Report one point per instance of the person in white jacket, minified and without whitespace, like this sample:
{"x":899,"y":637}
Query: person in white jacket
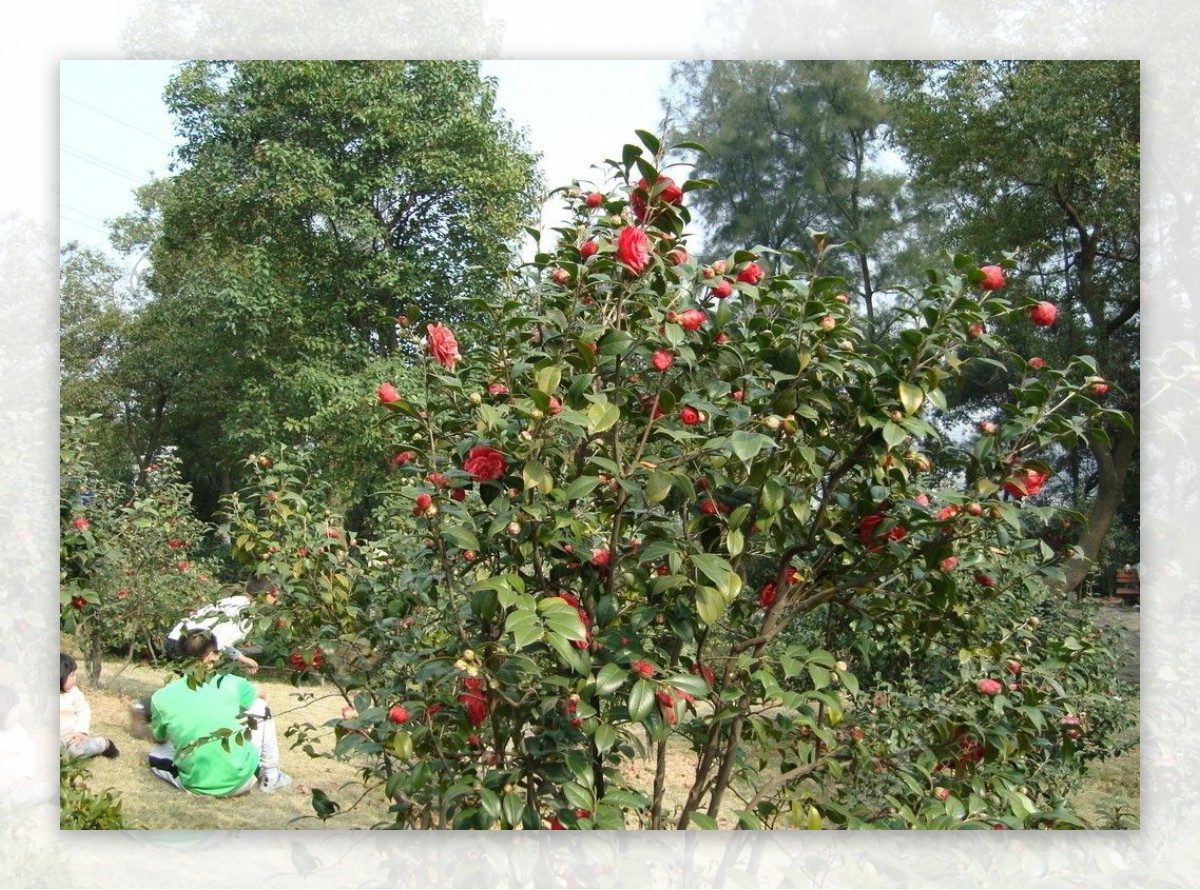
{"x":75,"y":716}
{"x":228,"y":620}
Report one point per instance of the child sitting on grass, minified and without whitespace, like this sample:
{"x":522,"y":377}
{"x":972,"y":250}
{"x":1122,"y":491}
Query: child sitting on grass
{"x":75,"y":716}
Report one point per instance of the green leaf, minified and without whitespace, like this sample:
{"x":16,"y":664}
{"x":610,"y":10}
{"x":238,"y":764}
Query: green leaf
{"x":581,"y":487}
{"x":578,"y":796}
{"x":649,"y":140}
{"x":460,"y":536}
{"x":602,"y":416}
{"x":641,"y":700}
{"x":718,"y":570}
{"x":610,"y":679}
{"x":524,"y":627}
{"x":548,"y":378}
{"x":490,"y":802}
{"x":703,"y":820}
{"x":658,"y":486}
{"x":513,"y":807}
{"x":911,"y":397}
{"x":605,"y":737}
{"x":537,"y":476}
{"x":893,"y":434}
{"x":709,"y":604}
{"x":747,"y":445}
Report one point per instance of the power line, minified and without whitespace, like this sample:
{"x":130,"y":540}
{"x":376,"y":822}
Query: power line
{"x":117,"y":119}
{"x":77,"y":222}
{"x":98,"y":219}
{"x":102,"y":164}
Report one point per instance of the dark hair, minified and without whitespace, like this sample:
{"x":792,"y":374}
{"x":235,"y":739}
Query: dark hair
{"x":66,"y":667}
{"x":198,"y":644}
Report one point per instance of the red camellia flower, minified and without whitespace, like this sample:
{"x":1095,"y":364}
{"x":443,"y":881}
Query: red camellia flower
{"x":423,"y":501}
{"x":722,"y":289}
{"x":497,"y":389}
{"x":441,"y":480}
{"x":750,"y":274}
{"x":993,"y":277}
{"x":642,"y":668}
{"x":766,"y":596}
{"x":588,"y":249}
{"x":594,"y":199}
{"x":866,"y":532}
{"x":555,"y":406}
{"x":666,"y":703}
{"x":398,"y":714}
{"x":678,"y":256}
{"x":122,"y":594}
{"x":985,"y":580}
{"x":484,"y":462}
{"x":80,"y":522}
{"x":474,"y":700}
{"x":949,"y":563}
{"x":560,"y":276}
{"x":1025,"y":482}
{"x":1043,"y":314}
{"x":689,"y":415}
{"x":600,"y":556}
{"x":712,"y":507}
{"x":976,"y":330}
{"x":662,"y":360}
{"x":387,"y":394}
{"x":1037,"y":363}
{"x":1013,"y":666}
{"x":442,"y":345}
{"x":988,"y":686}
{"x":669,"y":194}
{"x":1098,"y":386}
{"x":183,"y":566}
{"x":78,"y":602}
{"x":633,"y":249}
{"x":402,"y":458}
{"x":692,"y":319}
{"x":704,"y":672}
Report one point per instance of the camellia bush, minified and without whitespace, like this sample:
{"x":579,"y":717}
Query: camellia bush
{"x":131,"y":562}
{"x":658,"y":509}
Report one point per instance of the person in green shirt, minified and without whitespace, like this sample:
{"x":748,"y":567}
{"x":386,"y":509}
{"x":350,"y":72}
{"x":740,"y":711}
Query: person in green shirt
{"x":180,"y":715}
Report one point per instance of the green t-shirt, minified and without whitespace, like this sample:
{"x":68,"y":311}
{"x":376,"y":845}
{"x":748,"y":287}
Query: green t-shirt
{"x":182,"y":715}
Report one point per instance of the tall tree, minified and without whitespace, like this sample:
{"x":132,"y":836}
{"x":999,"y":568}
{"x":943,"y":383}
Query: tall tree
{"x":1044,"y":156}
{"x":314,"y":203}
{"x":795,"y":146}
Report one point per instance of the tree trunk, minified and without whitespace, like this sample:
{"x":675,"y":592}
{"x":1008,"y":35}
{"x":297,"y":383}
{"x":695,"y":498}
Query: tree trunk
{"x":1113,"y":463}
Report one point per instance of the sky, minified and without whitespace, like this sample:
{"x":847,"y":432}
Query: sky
{"x":115,"y":132}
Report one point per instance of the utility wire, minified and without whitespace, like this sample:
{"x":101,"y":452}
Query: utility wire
{"x":102,"y":164}
{"x":117,"y":119}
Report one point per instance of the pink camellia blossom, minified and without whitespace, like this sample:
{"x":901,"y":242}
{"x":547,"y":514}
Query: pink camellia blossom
{"x":692,"y":319}
{"x":722,"y":289}
{"x":561,"y":276}
{"x":80,"y":522}
{"x":993,"y":277}
{"x":484,"y":462}
{"x":633,"y":249}
{"x":402,"y":458}
{"x":588,"y":249}
{"x":988,"y":686}
{"x":922,"y":499}
{"x":442,"y":345}
{"x":387,"y":394}
{"x":662,"y":360}
{"x":976,"y":330}
{"x":828,"y":323}
{"x":670,"y":193}
{"x":689,"y":415}
{"x":738,"y":395}
{"x":1098,"y":386}
{"x":441,"y":480}
{"x":642,"y":668}
{"x":555,"y":405}
{"x":1026,"y":482}
{"x":678,"y":256}
{"x":594,"y":200}
{"x":1043,"y":314}
{"x":497,"y":389}
{"x":949,"y":563}
{"x":986,"y":427}
{"x":1037,"y":363}
{"x":601,"y":556}
{"x":750,"y":274}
